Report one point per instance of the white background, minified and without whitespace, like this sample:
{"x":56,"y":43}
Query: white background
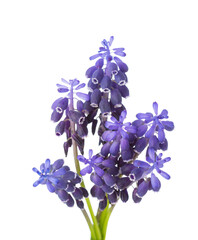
{"x":42,"y":41}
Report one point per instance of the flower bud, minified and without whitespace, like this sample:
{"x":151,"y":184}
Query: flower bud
{"x":141,"y":130}
{"x":99,"y":63}
{"x":136,"y":174}
{"x":62,"y":105}
{"x":127,"y":155}
{"x":123,"y":183}
{"x":80,"y":204}
{"x":87,"y":108}
{"x":97,"y":76}
{"x":107,"y":189}
{"x":121,"y":78}
{"x":155,"y":183}
{"x":67,"y":145}
{"x":80,"y":142}
{"x":94,"y":125}
{"x":124,"y":195}
{"x":82,"y":130}
{"x":164,"y":145}
{"x":103,"y":204}
{"x":115,"y":147}
{"x":109,"y":180}
{"x":85,"y":192}
{"x":143,"y":188}
{"x":70,"y":201}
{"x":80,"y":105}
{"x":77,"y":194}
{"x":124,"y":143}
{"x":112,"y":69}
{"x":116,"y":98}
{"x":140,"y":144}
{"x":96,"y":179}
{"x":56,"y":116}
{"x":104,"y":107}
{"x":91,"y":86}
{"x":154,"y":143}
{"x":95,"y":98}
{"x":106,"y":84}
{"x":70,"y":187}
{"x":122,"y":66}
{"x":105,"y":149}
{"x":136,"y":199}
{"x":127,"y":168}
{"x":63,"y":195}
{"x":90,"y":71}
{"x":113,"y":197}
{"x":77,"y":117}
{"x":97,"y":192}
{"x":60,"y":128}
{"x":57,"y":164}
{"x":124,"y":91}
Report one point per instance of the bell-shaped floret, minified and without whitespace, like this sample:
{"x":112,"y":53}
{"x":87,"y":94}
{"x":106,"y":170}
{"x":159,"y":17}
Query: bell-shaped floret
{"x":95,"y":98}
{"x":97,"y":76}
{"x":121,"y":78}
{"x":106,"y":84}
{"x":60,"y":128}
{"x":105,"y":107}
{"x":116,"y":98}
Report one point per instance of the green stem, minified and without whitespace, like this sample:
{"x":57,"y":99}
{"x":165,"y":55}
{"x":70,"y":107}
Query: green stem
{"x":93,"y":235}
{"x":77,"y":165}
{"x":104,"y":227}
{"x":95,"y":223}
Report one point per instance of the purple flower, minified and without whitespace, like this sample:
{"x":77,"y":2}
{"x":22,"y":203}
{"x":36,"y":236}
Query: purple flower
{"x":58,"y":107}
{"x":106,"y":52}
{"x":92,"y":162}
{"x":62,"y":181}
{"x":46,"y":175}
{"x":71,"y":87}
{"x":156,"y":123}
{"x":120,"y":127}
{"x":155,"y":163}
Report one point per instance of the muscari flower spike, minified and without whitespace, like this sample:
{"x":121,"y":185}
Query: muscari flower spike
{"x":61,"y":180}
{"x":71,"y":88}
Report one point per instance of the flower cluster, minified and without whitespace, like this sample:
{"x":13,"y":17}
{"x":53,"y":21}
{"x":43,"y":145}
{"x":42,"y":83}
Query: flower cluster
{"x":64,"y":113}
{"x":62,"y":181}
{"x":116,"y":168}
{"x":130,"y":156}
{"x":107,"y":81}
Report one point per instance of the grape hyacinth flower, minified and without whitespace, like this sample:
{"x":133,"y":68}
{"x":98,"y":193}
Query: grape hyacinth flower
{"x":157,"y":163}
{"x":129,"y":162}
{"x":60,"y":180}
{"x":66,"y":105}
{"x":107,"y":81}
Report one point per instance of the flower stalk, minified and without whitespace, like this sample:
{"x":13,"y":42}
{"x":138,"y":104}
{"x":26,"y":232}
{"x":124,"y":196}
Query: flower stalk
{"x":95,"y":231}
